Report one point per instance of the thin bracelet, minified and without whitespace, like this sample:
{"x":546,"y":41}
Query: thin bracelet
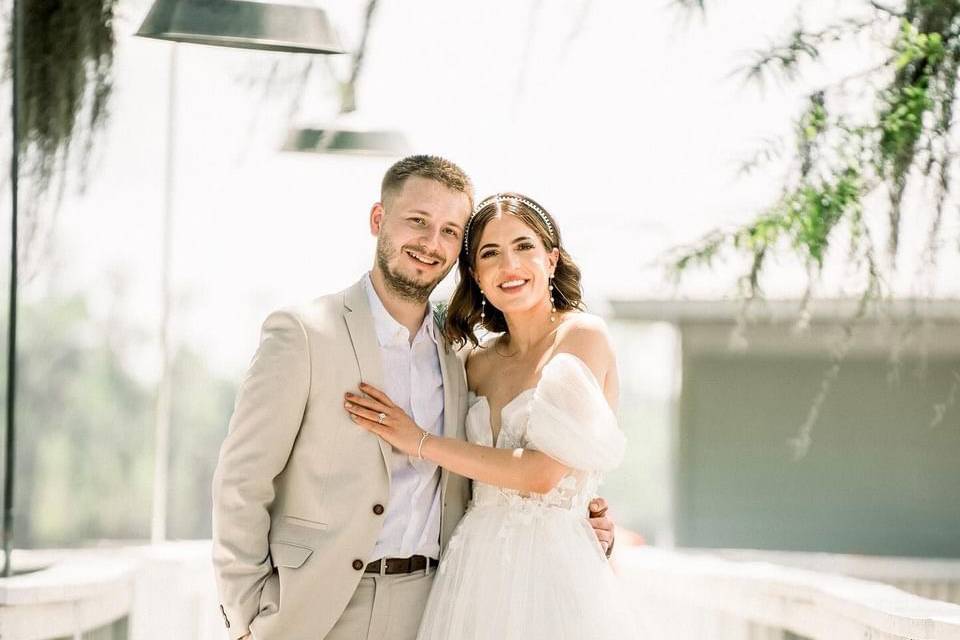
{"x":423,"y":438}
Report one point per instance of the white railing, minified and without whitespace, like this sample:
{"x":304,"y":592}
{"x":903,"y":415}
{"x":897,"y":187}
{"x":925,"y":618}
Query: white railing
{"x":143,"y":593}
{"x":175,"y":595}
{"x":73,"y":593}
{"x":934,"y":578}
{"x":167,"y":591}
{"x":696,"y":596}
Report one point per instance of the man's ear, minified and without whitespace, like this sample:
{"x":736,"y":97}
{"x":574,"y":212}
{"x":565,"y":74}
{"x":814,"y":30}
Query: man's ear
{"x":377,"y":213}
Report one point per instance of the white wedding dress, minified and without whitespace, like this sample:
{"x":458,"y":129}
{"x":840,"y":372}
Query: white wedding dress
{"x":528,"y":567}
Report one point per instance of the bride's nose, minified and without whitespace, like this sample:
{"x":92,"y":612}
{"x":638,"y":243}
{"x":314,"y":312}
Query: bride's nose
{"x":510,"y":259}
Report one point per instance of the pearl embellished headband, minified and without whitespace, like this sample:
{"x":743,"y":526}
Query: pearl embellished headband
{"x":505,"y":198}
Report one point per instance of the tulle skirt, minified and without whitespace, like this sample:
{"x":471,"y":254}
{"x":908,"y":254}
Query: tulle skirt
{"x":525,"y":571}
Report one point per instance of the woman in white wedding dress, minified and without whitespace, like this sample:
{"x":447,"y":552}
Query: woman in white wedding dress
{"x":524,"y":562}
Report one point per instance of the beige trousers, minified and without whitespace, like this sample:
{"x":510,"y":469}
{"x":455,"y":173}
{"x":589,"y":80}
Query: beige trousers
{"x":385,"y":608}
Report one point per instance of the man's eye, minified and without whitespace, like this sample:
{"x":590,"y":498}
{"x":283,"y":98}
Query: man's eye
{"x":453,"y":232}
{"x":416,"y":220}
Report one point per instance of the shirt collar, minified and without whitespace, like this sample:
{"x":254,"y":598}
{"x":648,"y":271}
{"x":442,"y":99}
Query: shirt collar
{"x":389,"y":331}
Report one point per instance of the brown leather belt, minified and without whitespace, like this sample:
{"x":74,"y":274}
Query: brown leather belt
{"x":400,"y":565}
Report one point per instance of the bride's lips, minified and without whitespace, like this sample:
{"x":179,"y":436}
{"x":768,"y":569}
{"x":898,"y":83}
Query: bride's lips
{"x":513,"y":286}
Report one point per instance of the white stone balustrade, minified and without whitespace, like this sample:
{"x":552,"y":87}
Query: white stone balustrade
{"x":692,"y":595}
{"x":167,"y":591}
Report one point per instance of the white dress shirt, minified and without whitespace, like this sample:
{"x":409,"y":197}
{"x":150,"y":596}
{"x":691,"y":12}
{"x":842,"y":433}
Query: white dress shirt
{"x":413,"y":381}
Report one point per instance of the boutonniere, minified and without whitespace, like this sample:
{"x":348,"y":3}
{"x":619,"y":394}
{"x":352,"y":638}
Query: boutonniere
{"x":440,"y":313}
{"x":440,"y":318}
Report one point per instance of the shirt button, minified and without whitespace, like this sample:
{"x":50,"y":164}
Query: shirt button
{"x":378,"y":509}
{"x":358,"y":564}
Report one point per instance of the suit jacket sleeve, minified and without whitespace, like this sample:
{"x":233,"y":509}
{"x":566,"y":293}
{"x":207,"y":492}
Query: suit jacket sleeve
{"x":266,"y":419}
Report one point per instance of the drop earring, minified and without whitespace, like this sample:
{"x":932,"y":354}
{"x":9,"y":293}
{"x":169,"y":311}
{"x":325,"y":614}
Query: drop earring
{"x":483,"y":306}
{"x":553,"y":305}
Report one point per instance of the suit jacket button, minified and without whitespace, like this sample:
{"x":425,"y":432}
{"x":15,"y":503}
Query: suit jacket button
{"x":378,"y":509}
{"x":358,"y":564}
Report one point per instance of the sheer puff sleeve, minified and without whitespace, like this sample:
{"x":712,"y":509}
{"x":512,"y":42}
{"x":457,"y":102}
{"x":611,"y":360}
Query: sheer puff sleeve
{"x":570,"y":419}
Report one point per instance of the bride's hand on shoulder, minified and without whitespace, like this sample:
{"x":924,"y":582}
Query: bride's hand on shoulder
{"x":376,"y":412}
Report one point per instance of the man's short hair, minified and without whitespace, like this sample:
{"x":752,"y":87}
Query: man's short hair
{"x":431,"y":167}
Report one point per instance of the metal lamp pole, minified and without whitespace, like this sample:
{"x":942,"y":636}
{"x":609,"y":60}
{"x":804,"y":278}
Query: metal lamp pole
{"x":229,"y":23}
{"x":158,"y":517}
{"x":8,"y":487}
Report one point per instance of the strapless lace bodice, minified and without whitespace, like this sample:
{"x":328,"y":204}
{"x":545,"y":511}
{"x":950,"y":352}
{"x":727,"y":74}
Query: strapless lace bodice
{"x":565,"y":416}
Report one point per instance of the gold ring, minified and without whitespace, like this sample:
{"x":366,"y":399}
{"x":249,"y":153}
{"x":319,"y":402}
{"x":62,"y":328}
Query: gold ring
{"x":380,"y":418}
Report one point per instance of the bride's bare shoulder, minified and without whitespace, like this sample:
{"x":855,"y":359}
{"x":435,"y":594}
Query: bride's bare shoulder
{"x":586,"y":336}
{"x":583,"y":331}
{"x":479,"y":362}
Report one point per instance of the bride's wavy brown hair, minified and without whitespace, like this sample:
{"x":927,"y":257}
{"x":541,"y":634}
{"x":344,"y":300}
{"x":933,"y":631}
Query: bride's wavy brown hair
{"x":463,"y":314}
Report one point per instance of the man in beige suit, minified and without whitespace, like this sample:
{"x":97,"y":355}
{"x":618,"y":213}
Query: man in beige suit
{"x":321,"y":529}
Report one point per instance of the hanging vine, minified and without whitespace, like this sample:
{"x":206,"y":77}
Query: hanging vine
{"x":67,"y":78}
{"x":840,"y":156}
{"x":66,"y":69}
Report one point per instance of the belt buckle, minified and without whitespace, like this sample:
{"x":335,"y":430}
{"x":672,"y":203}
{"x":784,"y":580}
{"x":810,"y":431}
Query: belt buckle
{"x":383,"y":566}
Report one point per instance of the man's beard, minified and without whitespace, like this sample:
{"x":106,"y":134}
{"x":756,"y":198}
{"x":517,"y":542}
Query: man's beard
{"x":400,"y":284}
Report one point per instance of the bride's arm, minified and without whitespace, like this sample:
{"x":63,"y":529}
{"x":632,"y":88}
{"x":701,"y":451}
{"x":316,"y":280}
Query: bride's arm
{"x":521,"y":469}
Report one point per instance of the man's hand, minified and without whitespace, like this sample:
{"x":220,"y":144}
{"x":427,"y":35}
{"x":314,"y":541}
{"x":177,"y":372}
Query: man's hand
{"x":602,"y":525}
{"x":245,"y":637}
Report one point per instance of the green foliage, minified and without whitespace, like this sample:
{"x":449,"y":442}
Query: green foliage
{"x":799,"y":47}
{"x":85,"y":442}
{"x":839,"y":159}
{"x":814,"y":121}
{"x":841,"y":156}
{"x":66,"y":71}
{"x":691,"y":4}
{"x":804,"y":218}
{"x":202,"y":404}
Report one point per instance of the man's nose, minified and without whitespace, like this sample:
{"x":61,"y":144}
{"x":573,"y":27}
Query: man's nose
{"x":431,"y":239}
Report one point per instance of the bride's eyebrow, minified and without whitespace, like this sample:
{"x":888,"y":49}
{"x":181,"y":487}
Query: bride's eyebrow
{"x":494,"y":244}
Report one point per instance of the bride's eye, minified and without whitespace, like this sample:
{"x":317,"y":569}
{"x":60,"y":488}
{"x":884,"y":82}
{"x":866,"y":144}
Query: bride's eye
{"x":526,"y":246}
{"x":488,"y":253}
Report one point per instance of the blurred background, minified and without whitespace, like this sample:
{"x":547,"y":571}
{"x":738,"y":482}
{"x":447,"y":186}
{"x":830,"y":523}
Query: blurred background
{"x":803,"y":403}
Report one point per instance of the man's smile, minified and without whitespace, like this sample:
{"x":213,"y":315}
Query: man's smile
{"x":422,"y":259}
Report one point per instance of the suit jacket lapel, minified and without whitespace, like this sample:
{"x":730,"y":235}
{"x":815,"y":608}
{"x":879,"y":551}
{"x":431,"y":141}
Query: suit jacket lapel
{"x":363,"y":336}
{"x":452,"y":393}
{"x":452,"y":397}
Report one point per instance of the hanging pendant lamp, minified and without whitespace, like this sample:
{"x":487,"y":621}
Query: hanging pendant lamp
{"x":242,"y":24}
{"x":349,"y":141}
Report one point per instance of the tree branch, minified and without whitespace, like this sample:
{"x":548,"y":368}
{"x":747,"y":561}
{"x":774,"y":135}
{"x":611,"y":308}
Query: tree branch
{"x":884,"y":9}
{"x":348,"y":101}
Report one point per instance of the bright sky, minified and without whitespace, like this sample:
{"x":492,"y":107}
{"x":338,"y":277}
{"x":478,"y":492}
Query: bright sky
{"x":620,"y":116}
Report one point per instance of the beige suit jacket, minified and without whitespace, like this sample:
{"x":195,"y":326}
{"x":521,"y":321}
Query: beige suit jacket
{"x":298,"y":489}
